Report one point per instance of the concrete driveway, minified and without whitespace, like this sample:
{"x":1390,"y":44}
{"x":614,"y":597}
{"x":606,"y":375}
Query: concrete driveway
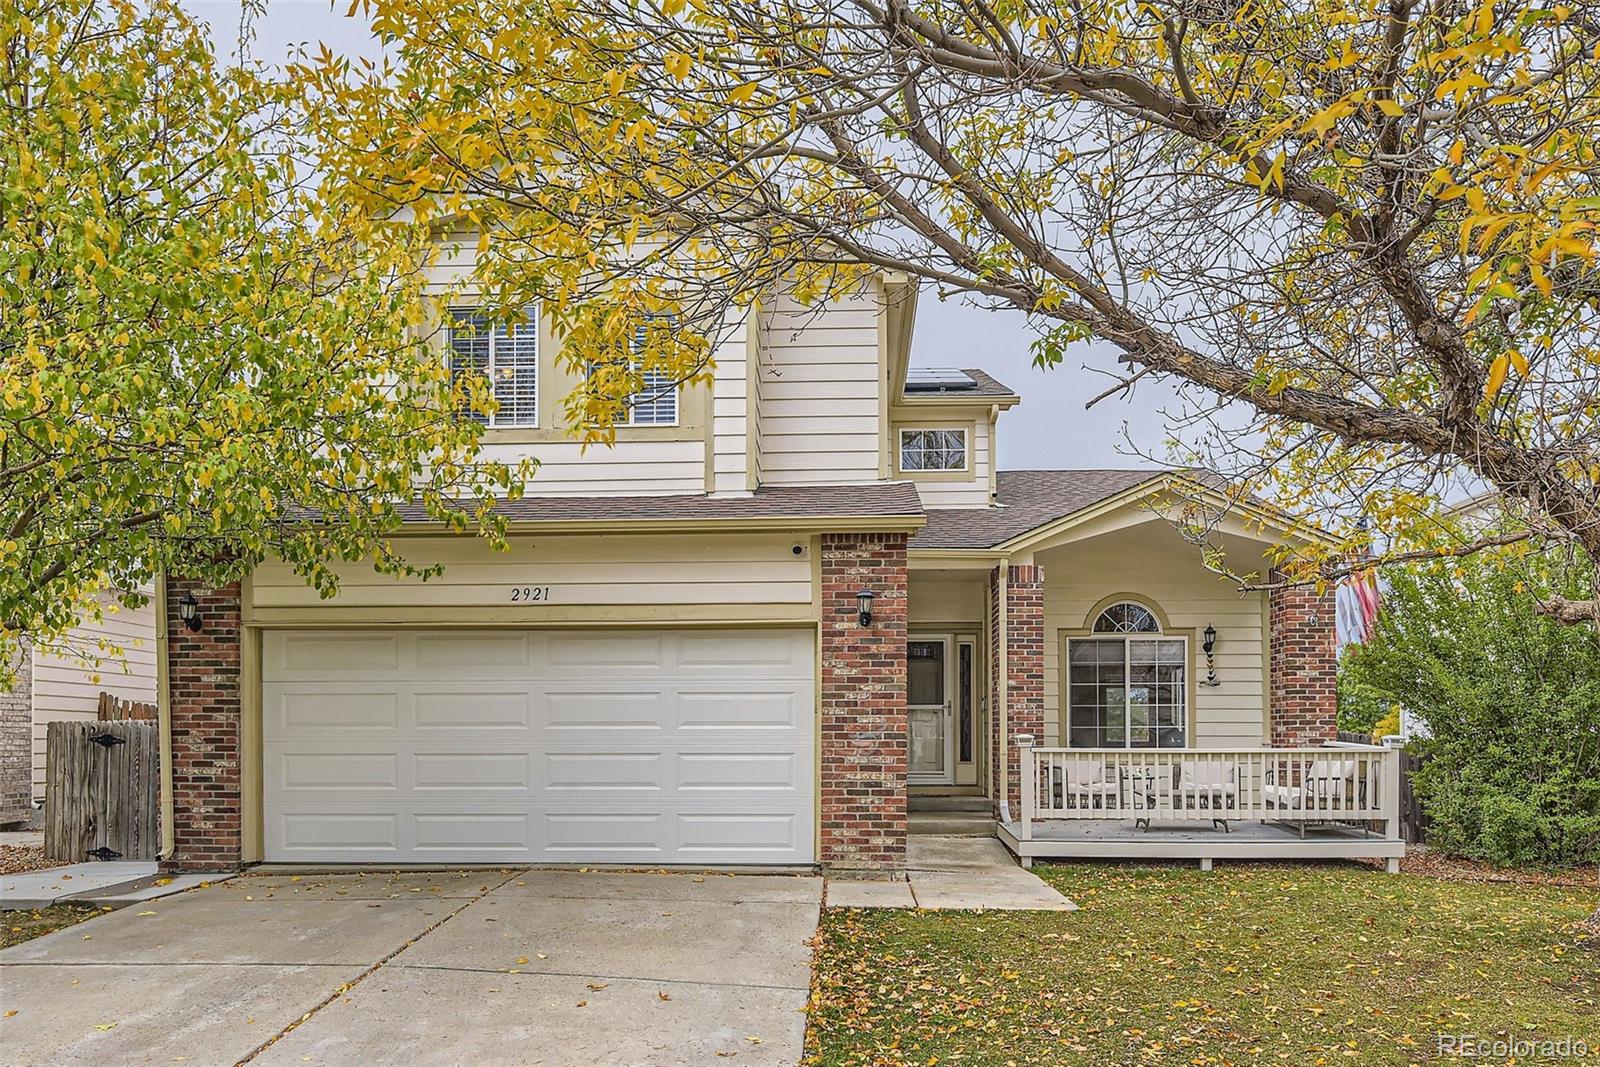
{"x":531,"y":967}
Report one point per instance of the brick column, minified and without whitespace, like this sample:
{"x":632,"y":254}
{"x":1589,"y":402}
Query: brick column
{"x":863,"y":701}
{"x":1024,"y":666}
{"x":1305,"y":668}
{"x":16,"y":738}
{"x":203,"y":687}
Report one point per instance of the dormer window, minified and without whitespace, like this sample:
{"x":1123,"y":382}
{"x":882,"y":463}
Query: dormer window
{"x":507,"y":355}
{"x":933,"y":450}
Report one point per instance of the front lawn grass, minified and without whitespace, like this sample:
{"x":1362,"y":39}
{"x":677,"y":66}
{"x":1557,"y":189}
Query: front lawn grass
{"x":1293,"y":965}
{"x":19,"y":926}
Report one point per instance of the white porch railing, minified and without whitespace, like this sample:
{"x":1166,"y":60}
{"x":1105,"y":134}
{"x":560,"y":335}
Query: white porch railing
{"x":1334,"y":783}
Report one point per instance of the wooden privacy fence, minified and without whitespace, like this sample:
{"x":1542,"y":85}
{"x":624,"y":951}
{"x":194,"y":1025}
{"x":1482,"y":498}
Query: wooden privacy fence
{"x":113,"y":708}
{"x":1413,"y":819}
{"x":102,"y":789}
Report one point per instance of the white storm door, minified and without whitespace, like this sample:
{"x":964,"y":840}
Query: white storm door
{"x":928,"y":686}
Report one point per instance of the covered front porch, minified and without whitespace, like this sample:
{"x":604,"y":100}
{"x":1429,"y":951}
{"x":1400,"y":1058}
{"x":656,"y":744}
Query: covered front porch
{"x":1333,"y":801}
{"x":1112,"y":697}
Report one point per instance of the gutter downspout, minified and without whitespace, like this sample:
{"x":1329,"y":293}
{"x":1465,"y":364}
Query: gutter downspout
{"x":164,"y":718}
{"x":1002,"y":598}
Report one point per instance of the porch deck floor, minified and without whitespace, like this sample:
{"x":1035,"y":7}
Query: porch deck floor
{"x":1186,"y":839}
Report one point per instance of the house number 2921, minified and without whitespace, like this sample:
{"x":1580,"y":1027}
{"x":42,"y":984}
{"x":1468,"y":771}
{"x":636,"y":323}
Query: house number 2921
{"x":527,"y":594}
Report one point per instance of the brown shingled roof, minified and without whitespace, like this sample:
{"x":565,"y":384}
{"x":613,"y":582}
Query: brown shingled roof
{"x":987,"y":388}
{"x":886,"y":500}
{"x":1029,"y":499}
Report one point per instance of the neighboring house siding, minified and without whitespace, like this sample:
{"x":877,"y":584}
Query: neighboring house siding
{"x":1079,"y":577}
{"x":68,"y":685}
{"x":819,"y":391}
{"x":16,"y":738}
{"x":589,"y":576}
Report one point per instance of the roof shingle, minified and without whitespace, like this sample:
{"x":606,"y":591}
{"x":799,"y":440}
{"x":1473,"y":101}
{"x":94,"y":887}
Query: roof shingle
{"x":1028,"y":500}
{"x":887,"y":500}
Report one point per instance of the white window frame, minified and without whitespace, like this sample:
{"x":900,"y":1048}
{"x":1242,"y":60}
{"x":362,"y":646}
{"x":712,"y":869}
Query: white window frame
{"x":1128,"y":640}
{"x":497,"y":333}
{"x":671,"y":389}
{"x":966,"y":448}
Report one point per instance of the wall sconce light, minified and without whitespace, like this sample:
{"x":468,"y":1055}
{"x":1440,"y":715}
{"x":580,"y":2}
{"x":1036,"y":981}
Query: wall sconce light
{"x":864,"y":607}
{"x":189,"y":612}
{"x":1209,"y":646}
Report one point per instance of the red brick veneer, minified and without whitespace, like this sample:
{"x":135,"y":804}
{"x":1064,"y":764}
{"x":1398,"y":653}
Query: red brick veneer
{"x":1024,"y":656}
{"x":204,"y":687}
{"x":863,"y":702}
{"x":1305,"y":669}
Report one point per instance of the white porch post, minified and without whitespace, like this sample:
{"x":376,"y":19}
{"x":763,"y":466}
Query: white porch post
{"x":1029,"y":798}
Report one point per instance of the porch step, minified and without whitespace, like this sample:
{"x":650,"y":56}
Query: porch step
{"x":951,"y":823}
{"x":924,"y":802}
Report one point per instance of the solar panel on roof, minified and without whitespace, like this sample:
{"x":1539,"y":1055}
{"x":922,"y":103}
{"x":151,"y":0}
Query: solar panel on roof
{"x":937,"y":380}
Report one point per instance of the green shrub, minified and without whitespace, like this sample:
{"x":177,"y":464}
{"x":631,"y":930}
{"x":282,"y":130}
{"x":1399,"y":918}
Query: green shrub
{"x":1511,"y":698}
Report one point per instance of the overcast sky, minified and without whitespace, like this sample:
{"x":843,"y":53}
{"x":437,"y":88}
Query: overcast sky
{"x":1049,"y":429}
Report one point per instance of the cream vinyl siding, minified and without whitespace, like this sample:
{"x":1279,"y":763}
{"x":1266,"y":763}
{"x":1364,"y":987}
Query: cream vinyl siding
{"x":818,"y":391}
{"x":951,"y":489}
{"x":597,"y":574}
{"x":66,"y":687}
{"x":1155,"y":565}
{"x":727,"y":467}
{"x":627,"y":468}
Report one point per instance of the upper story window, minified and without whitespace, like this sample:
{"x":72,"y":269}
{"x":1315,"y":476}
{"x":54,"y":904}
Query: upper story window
{"x":656,"y":402}
{"x":508,"y":356}
{"x":933,"y":450}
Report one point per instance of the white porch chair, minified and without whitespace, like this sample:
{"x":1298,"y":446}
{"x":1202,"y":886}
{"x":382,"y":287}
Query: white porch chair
{"x":1326,"y":785}
{"x":1082,"y":784}
{"x":1209,"y":785}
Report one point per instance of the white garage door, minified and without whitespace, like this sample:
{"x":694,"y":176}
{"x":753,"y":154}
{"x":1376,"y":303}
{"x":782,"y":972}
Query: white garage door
{"x":637,"y":746}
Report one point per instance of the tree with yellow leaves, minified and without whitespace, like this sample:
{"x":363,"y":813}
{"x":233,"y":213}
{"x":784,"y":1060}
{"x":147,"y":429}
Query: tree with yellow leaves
{"x":1359,"y":234}
{"x":198,"y":365}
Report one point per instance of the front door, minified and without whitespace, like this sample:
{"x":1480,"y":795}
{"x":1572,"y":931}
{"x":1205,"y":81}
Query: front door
{"x":928,"y":711}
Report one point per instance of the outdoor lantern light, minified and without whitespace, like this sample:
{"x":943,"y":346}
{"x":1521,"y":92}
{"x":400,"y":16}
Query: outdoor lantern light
{"x":189,"y":612}
{"x":864,"y":607}
{"x":1209,"y":646}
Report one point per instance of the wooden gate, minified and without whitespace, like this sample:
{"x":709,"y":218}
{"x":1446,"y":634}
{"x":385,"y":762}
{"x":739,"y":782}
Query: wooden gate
{"x":102,"y":790}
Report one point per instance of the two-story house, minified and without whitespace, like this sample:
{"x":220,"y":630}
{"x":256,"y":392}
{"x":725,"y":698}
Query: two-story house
{"x":784,"y":605}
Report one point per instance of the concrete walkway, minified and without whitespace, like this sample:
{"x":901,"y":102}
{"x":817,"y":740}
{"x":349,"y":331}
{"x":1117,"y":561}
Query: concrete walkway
{"x":954,"y":873}
{"x":504,"y":967}
{"x":116,"y":884}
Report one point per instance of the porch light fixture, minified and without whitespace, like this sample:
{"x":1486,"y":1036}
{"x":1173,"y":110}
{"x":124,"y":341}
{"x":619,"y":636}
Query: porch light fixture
{"x":864,"y":607}
{"x":189,"y":612}
{"x":1209,"y":646}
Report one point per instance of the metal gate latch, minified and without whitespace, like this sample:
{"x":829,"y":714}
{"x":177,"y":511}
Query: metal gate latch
{"x":107,"y":740}
{"x":104,"y":853}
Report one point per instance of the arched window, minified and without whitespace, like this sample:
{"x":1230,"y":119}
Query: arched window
{"x":1127,"y":618}
{"x":1128,"y":683}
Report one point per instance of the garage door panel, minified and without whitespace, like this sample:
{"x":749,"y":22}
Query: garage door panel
{"x":650,"y":746}
{"x":316,"y":835}
{"x":472,"y":772}
{"x":567,"y":710}
{"x":748,"y":833}
{"x":342,"y":771}
{"x":719,"y":650}
{"x":601,"y":772}
{"x":324,"y":708}
{"x":330,"y":653}
{"x":746,"y":712}
{"x":480,"y":709}
{"x":623,"y":650}
{"x":509,"y":833}
{"x":453,"y":651}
